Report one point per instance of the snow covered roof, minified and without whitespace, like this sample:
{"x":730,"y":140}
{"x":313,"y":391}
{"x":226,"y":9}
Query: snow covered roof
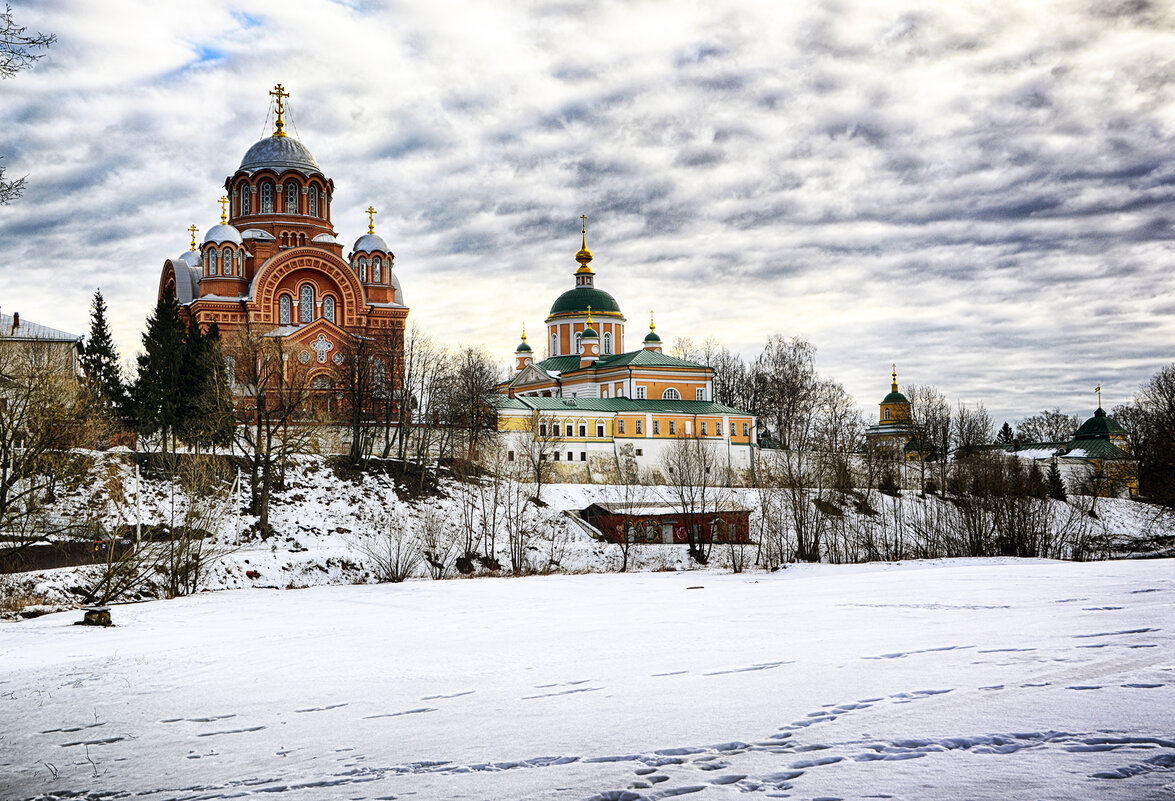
{"x":28,"y":330}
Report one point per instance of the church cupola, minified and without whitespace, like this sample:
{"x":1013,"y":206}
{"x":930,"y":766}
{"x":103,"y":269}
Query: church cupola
{"x":895,"y":408}
{"x":584,"y":275}
{"x":371,"y":259}
{"x":589,"y":343}
{"x":223,"y":251}
{"x":523,"y":355}
{"x":652,"y":340}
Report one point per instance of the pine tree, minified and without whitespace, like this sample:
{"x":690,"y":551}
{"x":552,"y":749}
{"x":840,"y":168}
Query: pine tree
{"x":158,"y":400}
{"x":1036,"y":487}
{"x":1055,"y":484}
{"x":1005,"y":437}
{"x":99,"y":360}
{"x":206,"y":414}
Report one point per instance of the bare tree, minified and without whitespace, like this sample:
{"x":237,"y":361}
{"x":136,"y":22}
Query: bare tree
{"x":1048,"y":426}
{"x":930,"y":419}
{"x":972,"y":429}
{"x":393,"y":546}
{"x":362,"y":385}
{"x":467,"y":391}
{"x":273,"y":381}
{"x":537,"y":444}
{"x":691,"y":465}
{"x":626,"y":496}
{"x":18,"y":51}
{"x":436,"y":542}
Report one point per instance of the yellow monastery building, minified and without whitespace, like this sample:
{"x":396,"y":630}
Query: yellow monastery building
{"x":592,"y":401}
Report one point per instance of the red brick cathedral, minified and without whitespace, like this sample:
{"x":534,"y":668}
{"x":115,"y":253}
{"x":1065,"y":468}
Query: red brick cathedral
{"x":275,"y":263}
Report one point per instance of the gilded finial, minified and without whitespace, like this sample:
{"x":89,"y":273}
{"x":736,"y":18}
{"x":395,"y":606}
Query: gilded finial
{"x":1098,"y":390}
{"x":281,"y":94}
{"x":192,"y":230}
{"x":584,"y":256}
{"x":524,"y":332}
{"x":894,"y":387}
{"x":371,"y":212}
{"x":589,"y":316}
{"x":223,"y":203}
{"x":652,"y":325}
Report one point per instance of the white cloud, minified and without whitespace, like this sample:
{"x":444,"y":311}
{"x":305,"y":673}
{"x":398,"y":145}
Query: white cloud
{"x":979,"y":192}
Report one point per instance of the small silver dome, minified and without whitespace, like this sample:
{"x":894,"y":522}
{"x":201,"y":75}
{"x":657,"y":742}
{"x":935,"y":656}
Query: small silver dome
{"x":369,"y":243}
{"x":192,"y":258}
{"x":223,"y":233}
{"x":280,"y":153}
{"x":325,"y":239}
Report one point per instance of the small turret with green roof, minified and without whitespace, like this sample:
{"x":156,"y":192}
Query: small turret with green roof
{"x":895,"y":407}
{"x":652,"y":340}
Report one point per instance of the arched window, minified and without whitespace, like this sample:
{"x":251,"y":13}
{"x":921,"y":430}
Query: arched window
{"x":291,"y":198}
{"x":328,"y":308}
{"x":306,"y":304}
{"x":377,"y":269}
{"x":206,"y":262}
{"x":283,"y":310}
{"x":326,"y":205}
{"x":267,"y":198}
{"x":363,"y":268}
{"x":312,"y":202}
{"x":543,"y":429}
{"x":285,"y":239}
{"x":554,"y":344}
{"x":570,"y":430}
{"x":230,"y":370}
{"x":582,"y":431}
{"x":671,"y":394}
{"x":226,"y":263}
{"x":245,"y":199}
{"x":301,"y":239}
{"x":887,"y":414}
{"x":379,"y":376}
{"x":240,"y":264}
{"x":607,"y":342}
{"x":578,"y":343}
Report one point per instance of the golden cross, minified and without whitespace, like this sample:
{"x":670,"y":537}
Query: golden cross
{"x":223,"y":202}
{"x":584,"y":218}
{"x":1098,"y":390}
{"x":371,"y":212}
{"x":589,"y":316}
{"x":193,"y":231}
{"x":524,"y":332}
{"x":280,"y":93}
{"x":652,"y":327}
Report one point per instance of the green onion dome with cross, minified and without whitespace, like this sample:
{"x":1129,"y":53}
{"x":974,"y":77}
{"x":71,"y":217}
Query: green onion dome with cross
{"x":569,"y":315}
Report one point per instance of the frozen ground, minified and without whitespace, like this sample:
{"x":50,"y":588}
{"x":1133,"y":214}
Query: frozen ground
{"x":973,"y":679}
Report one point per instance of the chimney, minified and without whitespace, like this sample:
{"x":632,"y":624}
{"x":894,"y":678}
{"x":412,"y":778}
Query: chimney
{"x":15,"y":320}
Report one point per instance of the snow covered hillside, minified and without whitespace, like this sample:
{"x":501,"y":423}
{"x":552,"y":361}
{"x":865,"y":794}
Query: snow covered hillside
{"x":961,"y":679}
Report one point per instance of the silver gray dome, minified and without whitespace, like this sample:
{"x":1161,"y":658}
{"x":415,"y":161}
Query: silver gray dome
{"x":280,"y":153}
{"x":369,"y":243}
{"x":192,"y":257}
{"x":223,"y":233}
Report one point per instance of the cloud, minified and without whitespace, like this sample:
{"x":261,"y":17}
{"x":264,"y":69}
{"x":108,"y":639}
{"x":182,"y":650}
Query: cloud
{"x":981,"y":195}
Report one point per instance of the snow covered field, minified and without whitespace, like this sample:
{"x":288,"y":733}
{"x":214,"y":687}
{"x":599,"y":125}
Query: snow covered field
{"x":965,"y":679}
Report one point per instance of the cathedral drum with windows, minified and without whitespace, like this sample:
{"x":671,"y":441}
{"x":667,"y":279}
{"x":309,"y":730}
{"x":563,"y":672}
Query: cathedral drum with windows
{"x":274,"y":264}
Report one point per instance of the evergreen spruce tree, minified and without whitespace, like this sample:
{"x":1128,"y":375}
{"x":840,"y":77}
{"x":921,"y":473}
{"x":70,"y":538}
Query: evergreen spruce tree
{"x":157,"y":398}
{"x":1005,"y":437}
{"x":1055,"y":484}
{"x":1036,"y":483}
{"x":99,"y":360}
{"x":205,"y":417}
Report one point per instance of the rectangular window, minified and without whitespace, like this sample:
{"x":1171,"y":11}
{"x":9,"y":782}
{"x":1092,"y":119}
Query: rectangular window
{"x":640,"y":452}
{"x":619,"y":426}
{"x":640,"y":427}
{"x":600,"y":430}
{"x":703,"y":428}
{"x":640,"y":393}
{"x":656,"y":426}
{"x":583,"y":456}
{"x":556,"y":456}
{"x":672,"y":427}
{"x":509,"y":456}
{"x":700,"y":393}
{"x":582,"y":430}
{"x":570,"y":430}
{"x":718,"y":428}
{"x":746,"y":429}
{"x":570,"y":456}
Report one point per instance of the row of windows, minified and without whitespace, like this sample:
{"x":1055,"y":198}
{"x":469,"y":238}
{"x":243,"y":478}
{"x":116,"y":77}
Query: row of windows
{"x":224,"y":262}
{"x":306,"y":306}
{"x":605,"y":344}
{"x":556,"y":429}
{"x":376,"y":274}
{"x":282,"y":197}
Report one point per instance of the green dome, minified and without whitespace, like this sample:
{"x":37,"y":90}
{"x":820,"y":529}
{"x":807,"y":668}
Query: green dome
{"x":577,"y":301}
{"x":523,"y":348}
{"x":589,"y":332}
{"x":895,"y":397}
{"x":1099,"y":426}
{"x":652,"y":337}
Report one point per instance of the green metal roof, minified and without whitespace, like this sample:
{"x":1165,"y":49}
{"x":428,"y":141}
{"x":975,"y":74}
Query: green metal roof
{"x":1099,"y":426}
{"x":894,"y":397}
{"x":523,"y":348}
{"x":1095,"y":449}
{"x":634,"y":358}
{"x":615,"y":405}
{"x":577,"y":301}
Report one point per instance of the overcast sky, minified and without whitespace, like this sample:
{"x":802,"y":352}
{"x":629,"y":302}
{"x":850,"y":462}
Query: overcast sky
{"x":982,"y":192}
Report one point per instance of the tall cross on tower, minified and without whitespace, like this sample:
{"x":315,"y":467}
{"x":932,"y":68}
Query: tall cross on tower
{"x":1098,"y":390}
{"x":281,"y":94}
{"x":192,"y":230}
{"x":223,"y":203}
{"x":371,"y":212}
